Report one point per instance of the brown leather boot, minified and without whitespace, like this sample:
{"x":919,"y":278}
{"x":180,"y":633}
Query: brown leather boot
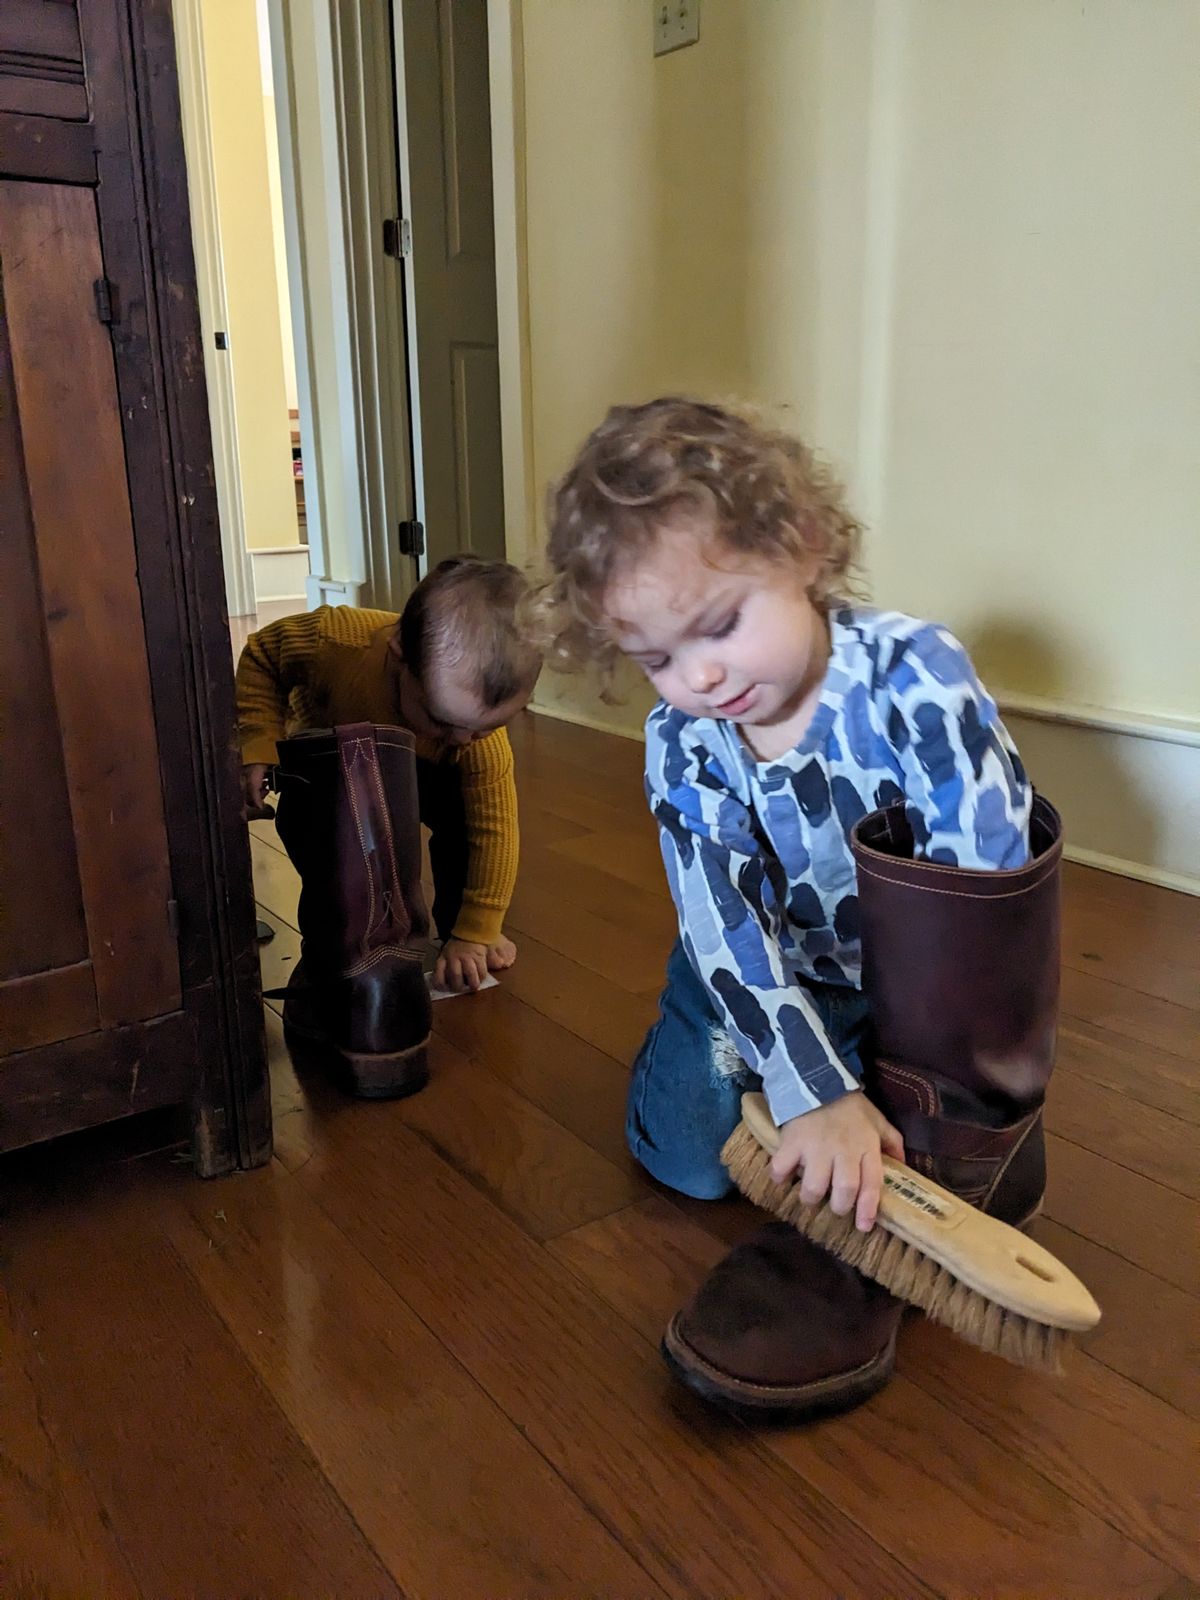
{"x":782,"y":1331}
{"x":347,"y":816}
{"x":961,"y":969}
{"x":962,"y":972}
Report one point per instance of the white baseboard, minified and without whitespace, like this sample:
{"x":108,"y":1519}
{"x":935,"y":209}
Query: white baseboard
{"x":280,"y":573}
{"x":1130,"y":801}
{"x":581,"y":719}
{"x":1132,"y":869}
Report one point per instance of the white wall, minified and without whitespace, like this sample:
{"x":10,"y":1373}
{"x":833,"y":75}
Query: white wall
{"x":957,"y":240}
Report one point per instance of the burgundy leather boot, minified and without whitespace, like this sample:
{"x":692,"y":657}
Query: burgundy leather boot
{"x":961,"y":969}
{"x":962,"y":972}
{"x":348,"y":818}
{"x":782,"y":1331}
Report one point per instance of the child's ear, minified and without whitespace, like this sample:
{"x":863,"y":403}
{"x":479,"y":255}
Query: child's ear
{"x":394,"y":646}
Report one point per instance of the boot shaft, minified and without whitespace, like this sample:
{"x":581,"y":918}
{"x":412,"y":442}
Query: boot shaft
{"x":962,"y":967}
{"x":961,"y":970}
{"x":348,"y":818}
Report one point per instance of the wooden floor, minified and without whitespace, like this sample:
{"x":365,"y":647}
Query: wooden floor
{"x":416,"y":1355}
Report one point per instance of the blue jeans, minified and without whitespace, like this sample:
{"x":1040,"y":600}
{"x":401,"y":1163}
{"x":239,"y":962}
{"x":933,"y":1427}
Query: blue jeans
{"x":685,"y":1096}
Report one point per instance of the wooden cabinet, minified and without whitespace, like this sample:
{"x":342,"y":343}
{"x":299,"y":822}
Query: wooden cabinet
{"x":128,"y":973}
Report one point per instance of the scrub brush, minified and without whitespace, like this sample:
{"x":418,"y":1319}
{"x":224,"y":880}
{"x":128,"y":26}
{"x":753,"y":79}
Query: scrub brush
{"x":985,"y":1281}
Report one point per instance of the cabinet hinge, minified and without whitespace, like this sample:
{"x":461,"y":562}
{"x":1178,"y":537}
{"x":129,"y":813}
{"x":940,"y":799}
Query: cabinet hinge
{"x":106,"y":301}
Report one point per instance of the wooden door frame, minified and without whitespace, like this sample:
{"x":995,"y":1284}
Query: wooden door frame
{"x":506,"y":83}
{"x":347,"y":311}
{"x":210,"y":288}
{"x":350,"y":318}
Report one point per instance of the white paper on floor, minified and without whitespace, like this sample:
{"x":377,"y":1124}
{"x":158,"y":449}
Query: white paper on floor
{"x":454,"y":994}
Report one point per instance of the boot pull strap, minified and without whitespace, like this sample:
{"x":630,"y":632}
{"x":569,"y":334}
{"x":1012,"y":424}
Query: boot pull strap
{"x":911,"y":1102}
{"x":359,"y":757}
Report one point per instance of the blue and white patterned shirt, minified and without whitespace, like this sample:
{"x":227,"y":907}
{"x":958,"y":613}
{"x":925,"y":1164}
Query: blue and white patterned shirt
{"x":758,"y":854}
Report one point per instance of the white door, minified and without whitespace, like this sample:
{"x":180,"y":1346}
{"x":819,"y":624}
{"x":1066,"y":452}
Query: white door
{"x":451,"y":273}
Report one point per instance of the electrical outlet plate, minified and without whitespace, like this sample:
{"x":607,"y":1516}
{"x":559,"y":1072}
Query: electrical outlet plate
{"x":676,"y":23}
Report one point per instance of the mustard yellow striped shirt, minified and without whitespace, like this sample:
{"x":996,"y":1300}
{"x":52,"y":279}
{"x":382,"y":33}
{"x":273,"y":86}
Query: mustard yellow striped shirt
{"x":330,"y":666}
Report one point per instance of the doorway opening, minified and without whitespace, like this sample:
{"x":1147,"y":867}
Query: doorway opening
{"x":228,"y":106}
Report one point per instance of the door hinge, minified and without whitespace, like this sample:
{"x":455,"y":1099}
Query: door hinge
{"x":412,"y":538}
{"x":173,"y":918}
{"x":106,"y":301}
{"x":397,"y":237}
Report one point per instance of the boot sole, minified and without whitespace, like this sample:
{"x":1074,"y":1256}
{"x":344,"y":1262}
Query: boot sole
{"x":388,"y":1077}
{"x":394,"y":1076}
{"x":775,"y":1403}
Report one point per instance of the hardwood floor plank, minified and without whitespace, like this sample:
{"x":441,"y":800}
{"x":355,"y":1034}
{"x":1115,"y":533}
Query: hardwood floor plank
{"x":573,"y":1082}
{"x":1134,"y":1070}
{"x":56,"y":1540}
{"x":530,"y":1166}
{"x":1149,"y":1331}
{"x":606,"y":764}
{"x":1127,"y":1456}
{"x":1153,"y":1227}
{"x":543,"y":825}
{"x":1125,"y":1131}
{"x":578,"y":798}
{"x":1168,"y":909}
{"x":911,"y":1472}
{"x":648,"y":908}
{"x":1132,"y":933}
{"x":629,"y":956}
{"x":438,"y":1479}
{"x":1141,"y":1017}
{"x":600,"y":753}
{"x":204,"y":1483}
{"x":1181,"y":1589}
{"x":694,"y":1503}
{"x":1133,"y":950}
{"x":607,"y":1017}
{"x":622,"y":853}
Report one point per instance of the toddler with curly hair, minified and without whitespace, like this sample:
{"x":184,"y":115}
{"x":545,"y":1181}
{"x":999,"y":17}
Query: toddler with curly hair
{"x":718,"y":555}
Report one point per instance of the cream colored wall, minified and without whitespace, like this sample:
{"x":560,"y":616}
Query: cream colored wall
{"x":957,"y":241}
{"x":637,"y":213}
{"x":238,"y":133}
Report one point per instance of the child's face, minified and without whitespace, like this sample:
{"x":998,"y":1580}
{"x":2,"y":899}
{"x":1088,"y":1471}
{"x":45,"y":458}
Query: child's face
{"x":718,"y":633}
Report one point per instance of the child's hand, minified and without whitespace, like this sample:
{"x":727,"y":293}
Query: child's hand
{"x":500,"y":955}
{"x":839,"y":1146}
{"x":254,"y":791}
{"x":461,"y":965}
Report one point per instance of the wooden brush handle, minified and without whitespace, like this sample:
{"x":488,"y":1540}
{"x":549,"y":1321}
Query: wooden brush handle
{"x":987,"y":1255}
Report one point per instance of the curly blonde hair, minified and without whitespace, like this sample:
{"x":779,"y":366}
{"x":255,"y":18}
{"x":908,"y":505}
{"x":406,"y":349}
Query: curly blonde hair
{"x":760,"y":491}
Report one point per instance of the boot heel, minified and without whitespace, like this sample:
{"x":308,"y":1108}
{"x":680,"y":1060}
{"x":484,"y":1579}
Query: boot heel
{"x":386,"y":1077}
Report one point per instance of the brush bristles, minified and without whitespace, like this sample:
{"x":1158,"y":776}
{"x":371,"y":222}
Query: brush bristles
{"x":907,"y":1272}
